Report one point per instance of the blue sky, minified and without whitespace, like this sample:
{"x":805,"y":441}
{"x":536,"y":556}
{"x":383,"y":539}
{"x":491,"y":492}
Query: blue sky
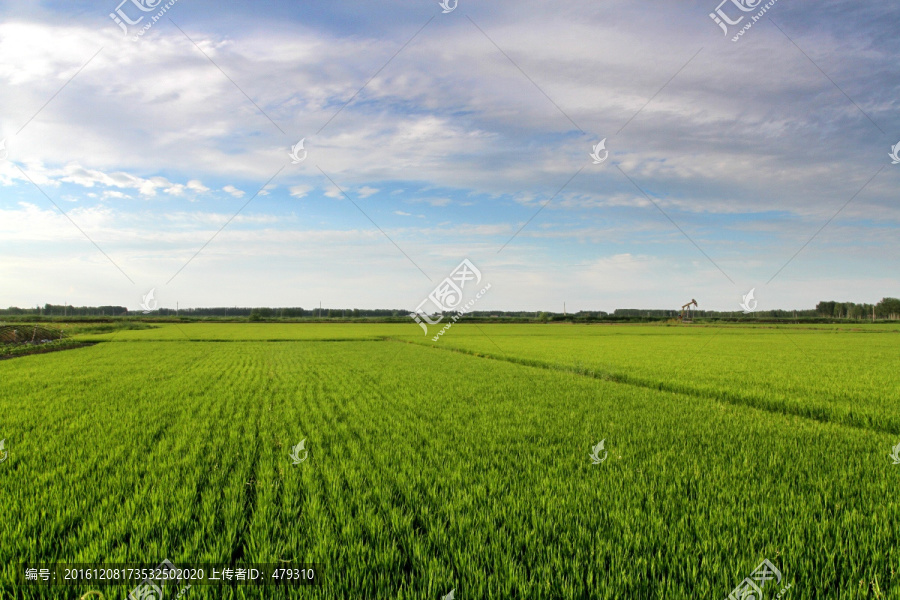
{"x":432,"y":137}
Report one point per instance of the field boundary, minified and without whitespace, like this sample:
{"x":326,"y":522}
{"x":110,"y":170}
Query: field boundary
{"x":249,"y":340}
{"x":820,"y":414}
{"x":47,"y":349}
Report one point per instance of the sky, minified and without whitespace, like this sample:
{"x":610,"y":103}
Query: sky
{"x":166,"y":158}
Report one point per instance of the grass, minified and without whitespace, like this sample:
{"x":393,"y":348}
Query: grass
{"x":841,"y":376}
{"x":434,"y":467}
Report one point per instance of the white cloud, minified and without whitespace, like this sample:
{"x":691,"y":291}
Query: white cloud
{"x":481,"y":122}
{"x":76,"y":174}
{"x":454,"y":120}
{"x":230,"y":189}
{"x":195,"y":186}
{"x":300,"y":191}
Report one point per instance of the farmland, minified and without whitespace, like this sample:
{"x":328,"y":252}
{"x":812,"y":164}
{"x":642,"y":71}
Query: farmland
{"x":464,"y":463}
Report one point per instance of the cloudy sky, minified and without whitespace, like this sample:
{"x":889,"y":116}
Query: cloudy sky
{"x":161,"y":158}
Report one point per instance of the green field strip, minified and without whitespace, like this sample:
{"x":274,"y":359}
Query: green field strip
{"x":430,"y":471}
{"x":833,"y":377}
{"x":247,"y":332}
{"x":892,"y":425}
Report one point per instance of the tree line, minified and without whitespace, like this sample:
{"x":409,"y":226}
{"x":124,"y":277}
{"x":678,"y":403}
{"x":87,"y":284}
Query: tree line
{"x":887,"y":308}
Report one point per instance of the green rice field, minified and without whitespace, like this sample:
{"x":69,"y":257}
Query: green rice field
{"x":461,"y":464}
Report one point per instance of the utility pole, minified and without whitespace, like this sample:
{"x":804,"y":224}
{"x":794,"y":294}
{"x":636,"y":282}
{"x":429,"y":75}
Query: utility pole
{"x":564,"y":309}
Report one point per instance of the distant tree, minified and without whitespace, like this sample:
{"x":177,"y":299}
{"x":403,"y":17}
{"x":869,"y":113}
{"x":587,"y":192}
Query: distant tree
{"x":888,"y":308}
{"x":826,"y":309}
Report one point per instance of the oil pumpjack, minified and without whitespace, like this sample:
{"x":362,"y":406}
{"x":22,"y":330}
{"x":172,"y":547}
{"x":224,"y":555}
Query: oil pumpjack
{"x":687,"y":315}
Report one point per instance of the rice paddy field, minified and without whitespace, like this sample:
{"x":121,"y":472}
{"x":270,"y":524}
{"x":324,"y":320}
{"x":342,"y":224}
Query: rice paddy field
{"x":461,"y":465}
